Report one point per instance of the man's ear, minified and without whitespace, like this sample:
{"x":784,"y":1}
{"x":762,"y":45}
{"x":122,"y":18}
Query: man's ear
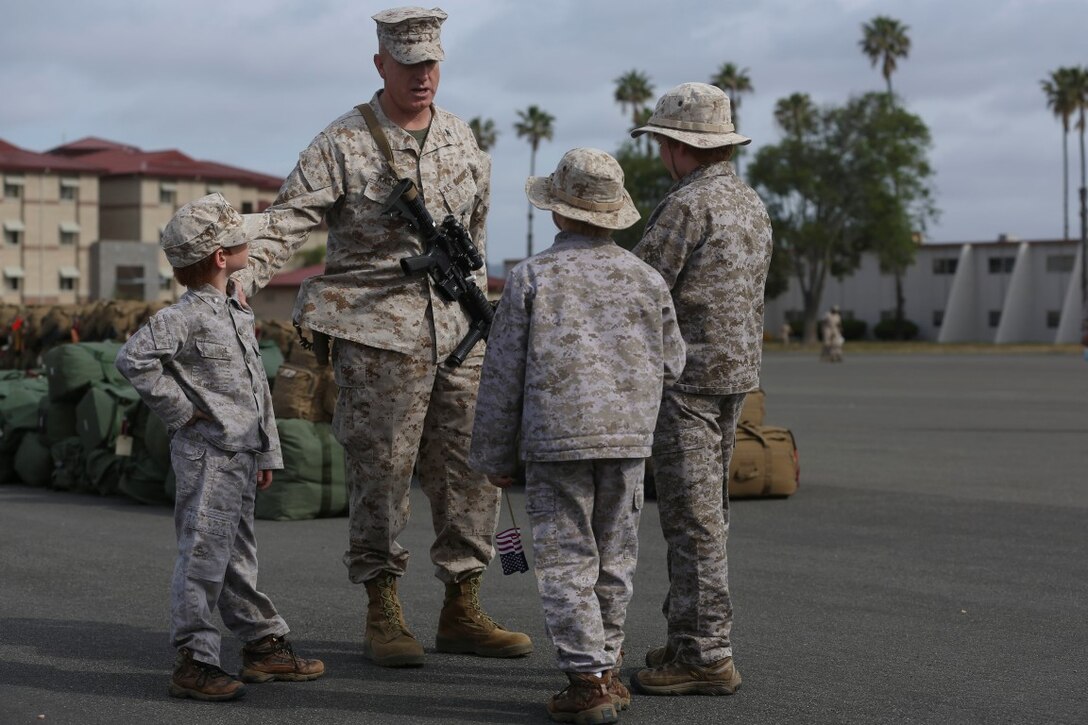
{"x":220,"y":258}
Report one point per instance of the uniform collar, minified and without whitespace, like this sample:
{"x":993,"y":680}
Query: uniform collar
{"x":210,"y":296}
{"x":572,"y":239}
{"x":718,"y":168}
{"x":439,"y":135}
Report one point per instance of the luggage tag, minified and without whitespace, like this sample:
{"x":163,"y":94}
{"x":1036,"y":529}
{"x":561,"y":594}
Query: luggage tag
{"x":123,"y":446}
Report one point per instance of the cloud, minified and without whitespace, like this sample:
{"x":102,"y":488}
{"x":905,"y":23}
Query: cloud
{"x":250,"y":82}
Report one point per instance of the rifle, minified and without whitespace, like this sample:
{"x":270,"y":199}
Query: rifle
{"x":450,"y":259}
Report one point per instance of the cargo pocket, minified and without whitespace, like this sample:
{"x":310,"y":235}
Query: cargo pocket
{"x":214,"y":369}
{"x":458,"y":195}
{"x":630,"y":548}
{"x":209,"y":535}
{"x":678,"y":441}
{"x":540,"y":507}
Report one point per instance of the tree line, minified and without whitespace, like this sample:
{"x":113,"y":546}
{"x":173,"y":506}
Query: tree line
{"x":844,"y":179}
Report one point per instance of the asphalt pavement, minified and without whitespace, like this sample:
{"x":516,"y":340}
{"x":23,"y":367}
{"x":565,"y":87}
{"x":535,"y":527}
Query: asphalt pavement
{"x":932,"y":568}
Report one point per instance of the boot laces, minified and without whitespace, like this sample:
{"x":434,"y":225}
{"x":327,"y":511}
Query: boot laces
{"x":208,"y":672}
{"x":475,"y":606}
{"x":390,"y":606}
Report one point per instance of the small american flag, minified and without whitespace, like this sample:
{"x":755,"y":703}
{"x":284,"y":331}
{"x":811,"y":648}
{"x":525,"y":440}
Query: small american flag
{"x":511,"y":555}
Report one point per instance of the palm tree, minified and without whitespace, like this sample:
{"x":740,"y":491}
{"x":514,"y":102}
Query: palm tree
{"x":485,"y":132}
{"x":795,"y":114}
{"x":536,"y":125}
{"x":734,"y":81}
{"x":1061,"y":100}
{"x":884,"y":40}
{"x":633,"y":90}
{"x":1078,"y":87}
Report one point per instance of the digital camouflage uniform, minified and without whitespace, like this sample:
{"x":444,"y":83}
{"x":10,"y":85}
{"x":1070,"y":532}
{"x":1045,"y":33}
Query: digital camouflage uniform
{"x":201,"y":353}
{"x":583,"y":341}
{"x":711,"y":241}
{"x":398,"y":407}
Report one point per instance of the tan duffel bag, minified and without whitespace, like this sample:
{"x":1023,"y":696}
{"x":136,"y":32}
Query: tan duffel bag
{"x":754,"y":407}
{"x":764,"y":464}
{"x":300,"y":392}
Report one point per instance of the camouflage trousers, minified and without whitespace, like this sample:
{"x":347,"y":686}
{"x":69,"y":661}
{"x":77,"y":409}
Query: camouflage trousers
{"x":693,"y":444}
{"x":216,"y":565}
{"x":585,"y":518}
{"x":396,"y":414}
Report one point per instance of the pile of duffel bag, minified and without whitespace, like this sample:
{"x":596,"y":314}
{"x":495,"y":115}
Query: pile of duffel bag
{"x":78,"y":425}
{"x":765,"y":461}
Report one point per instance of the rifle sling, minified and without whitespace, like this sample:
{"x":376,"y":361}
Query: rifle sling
{"x":376,"y":131}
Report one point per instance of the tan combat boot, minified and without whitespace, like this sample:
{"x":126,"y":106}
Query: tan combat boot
{"x":678,"y":678}
{"x":659,"y":656}
{"x":387,"y":641}
{"x":202,"y":681}
{"x":585,"y":701}
{"x":272,"y":658}
{"x":464,"y":627}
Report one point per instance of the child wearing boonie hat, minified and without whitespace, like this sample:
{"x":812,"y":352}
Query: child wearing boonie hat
{"x":196,"y":365}
{"x":583,"y":342}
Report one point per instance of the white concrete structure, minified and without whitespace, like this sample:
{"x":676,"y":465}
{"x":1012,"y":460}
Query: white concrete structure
{"x":1006,"y":291}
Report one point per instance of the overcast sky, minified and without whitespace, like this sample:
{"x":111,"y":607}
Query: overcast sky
{"x":250,"y":83}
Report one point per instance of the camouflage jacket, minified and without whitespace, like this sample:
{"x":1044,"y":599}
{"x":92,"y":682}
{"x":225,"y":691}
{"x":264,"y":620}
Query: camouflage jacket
{"x":583,"y":342}
{"x":343,"y":179}
{"x":201,"y":353}
{"x":710,"y":238}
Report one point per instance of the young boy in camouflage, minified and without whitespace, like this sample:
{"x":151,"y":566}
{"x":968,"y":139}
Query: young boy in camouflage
{"x":583,"y":342}
{"x":196,"y":366}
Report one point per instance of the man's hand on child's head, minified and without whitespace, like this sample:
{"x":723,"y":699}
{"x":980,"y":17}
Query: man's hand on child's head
{"x":264,"y":479}
{"x":501,"y":481}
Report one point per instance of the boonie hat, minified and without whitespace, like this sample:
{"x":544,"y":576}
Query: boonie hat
{"x":201,"y":227}
{"x":411,"y":35}
{"x":587,"y":185}
{"x":696,"y":114}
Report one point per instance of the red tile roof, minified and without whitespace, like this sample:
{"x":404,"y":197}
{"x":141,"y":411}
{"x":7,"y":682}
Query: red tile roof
{"x":121,"y":160}
{"x":13,"y":158}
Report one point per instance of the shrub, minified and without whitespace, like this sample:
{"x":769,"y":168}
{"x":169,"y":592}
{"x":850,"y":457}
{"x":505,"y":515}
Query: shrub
{"x":895,"y":330}
{"x":853,"y":329}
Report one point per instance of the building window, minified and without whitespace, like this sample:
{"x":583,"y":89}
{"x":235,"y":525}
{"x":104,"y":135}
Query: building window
{"x":995,"y":318}
{"x":938,"y":318}
{"x":69,"y":233}
{"x":945,"y":265}
{"x":1059,"y":263}
{"x":1002,"y":265}
{"x":12,"y":190}
{"x":247,"y":207}
{"x":168,"y":193}
{"x":11,"y":237}
{"x":1053,"y":317}
{"x":12,"y":277}
{"x":69,"y":189}
{"x":67,"y":283}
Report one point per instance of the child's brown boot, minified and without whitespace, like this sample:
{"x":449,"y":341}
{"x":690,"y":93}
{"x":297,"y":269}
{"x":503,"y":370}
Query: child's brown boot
{"x":585,"y":701}
{"x":202,"y":681}
{"x":271,"y":658}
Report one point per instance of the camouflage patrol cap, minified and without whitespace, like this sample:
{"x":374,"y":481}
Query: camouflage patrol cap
{"x":411,"y":35}
{"x":587,"y":185}
{"x":696,"y":114}
{"x":201,"y":227}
